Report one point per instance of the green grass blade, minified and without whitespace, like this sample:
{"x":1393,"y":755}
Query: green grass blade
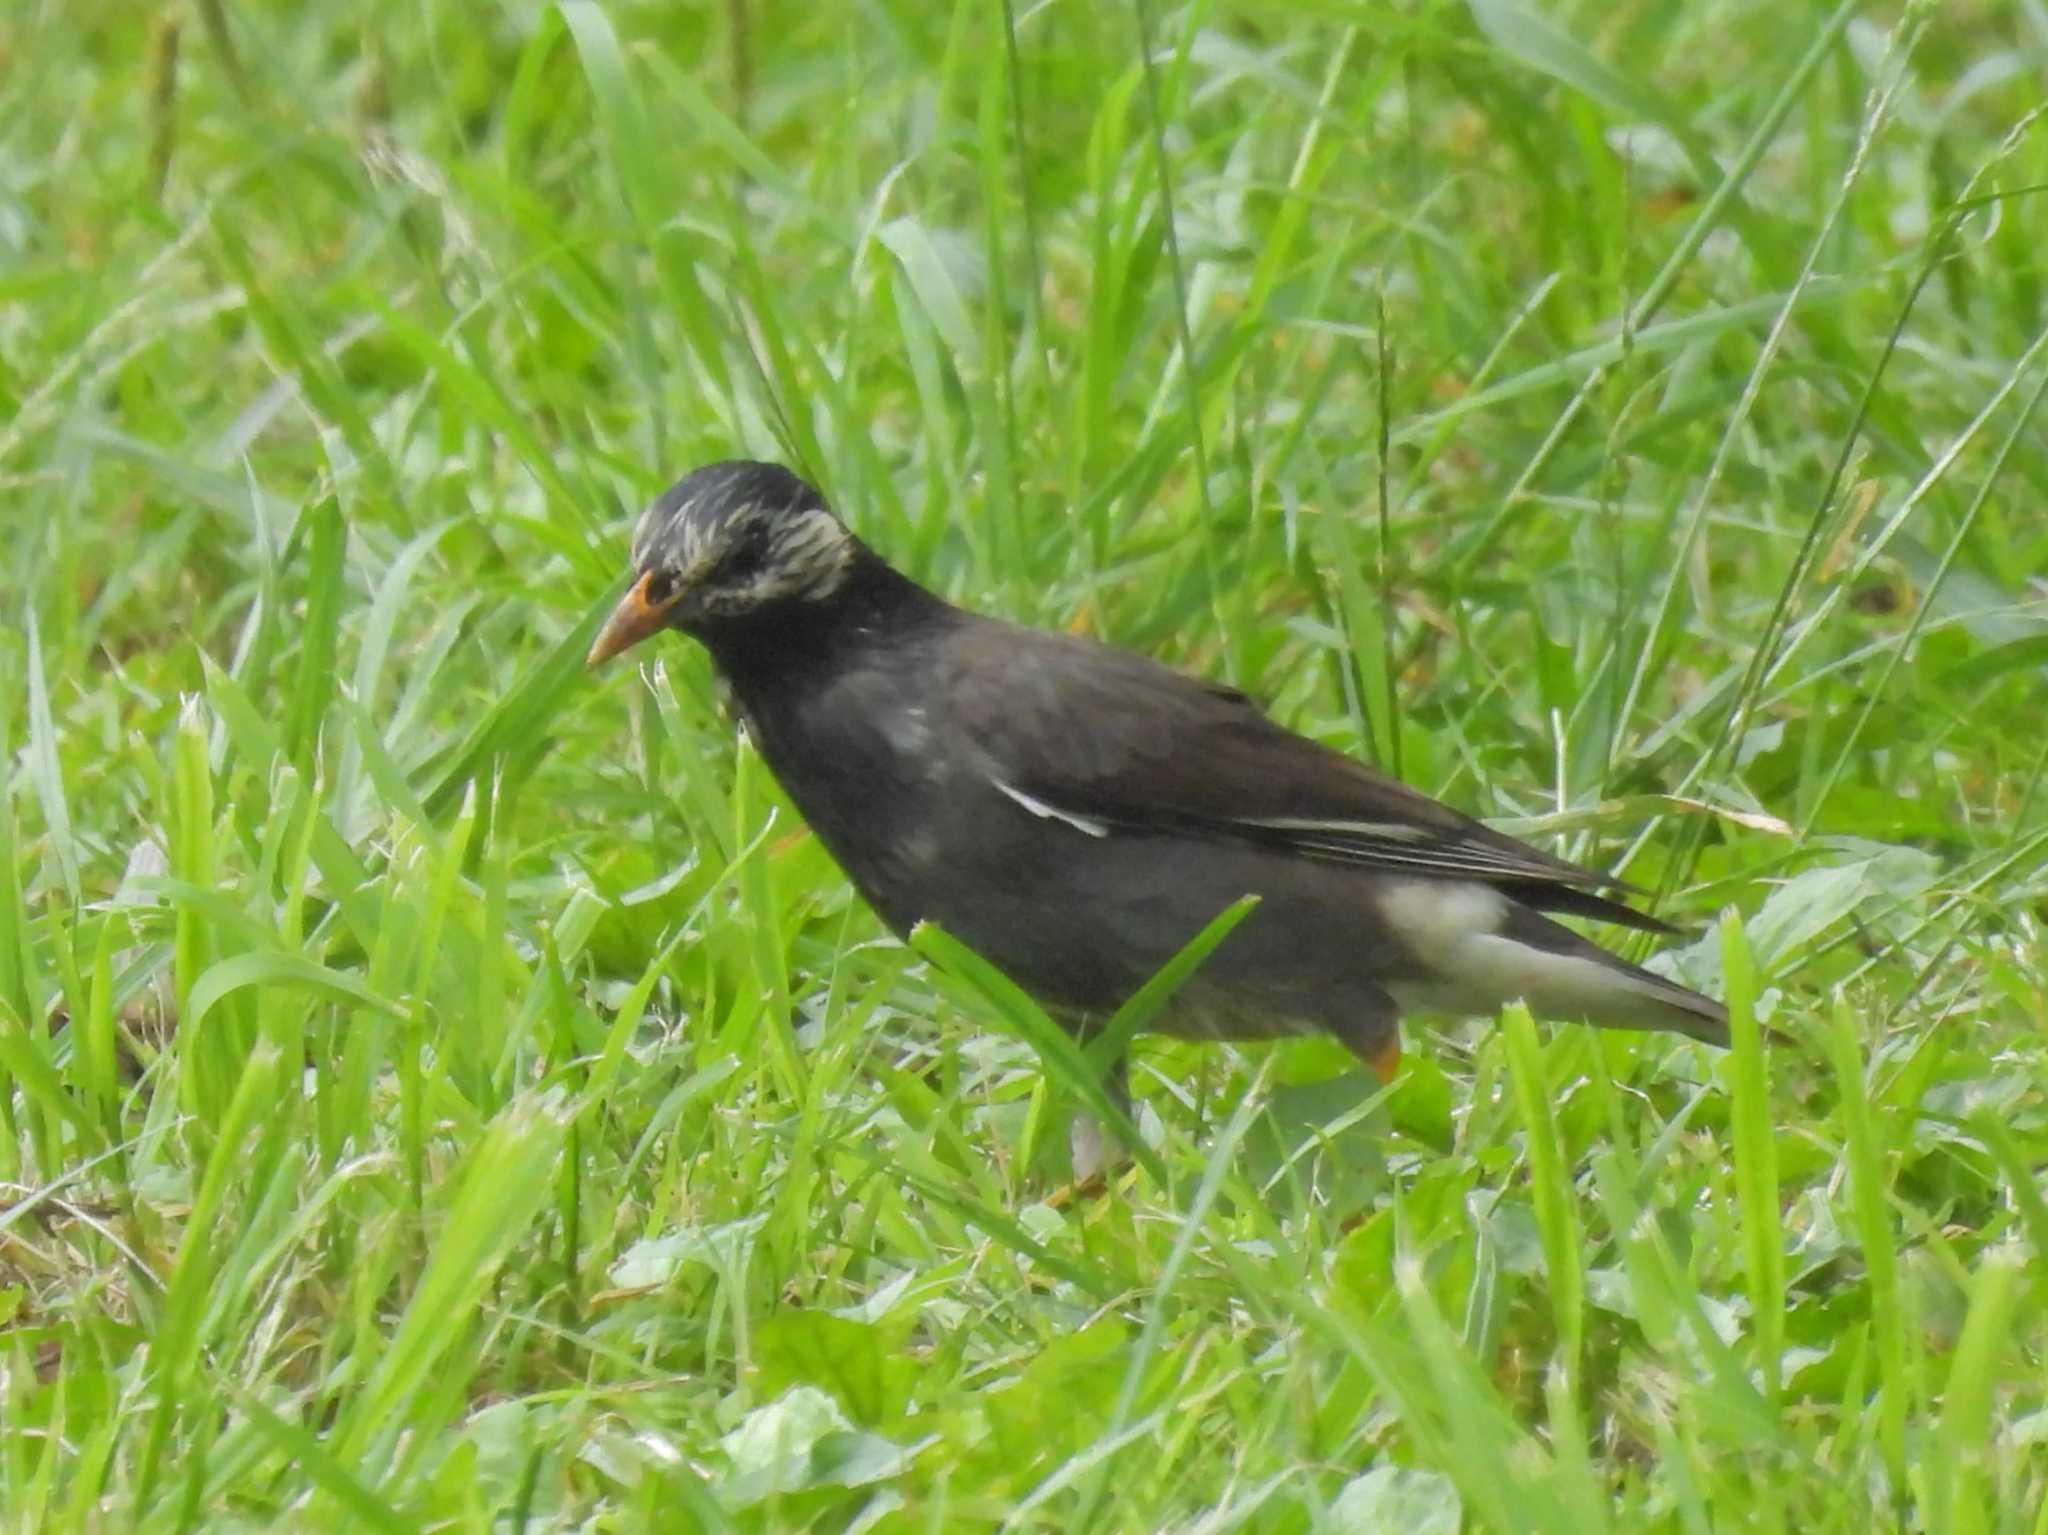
{"x":1550,"y":1185}
{"x":1756,"y":1160}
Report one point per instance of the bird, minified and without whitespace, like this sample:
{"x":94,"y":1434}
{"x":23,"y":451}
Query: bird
{"x":1076,"y":813}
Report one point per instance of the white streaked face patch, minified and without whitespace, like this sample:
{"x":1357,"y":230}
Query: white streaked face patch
{"x":808,"y":556}
{"x":735,"y":557}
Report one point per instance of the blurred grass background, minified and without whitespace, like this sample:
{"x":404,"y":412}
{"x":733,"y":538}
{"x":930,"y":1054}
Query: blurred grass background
{"x":441,"y":1090}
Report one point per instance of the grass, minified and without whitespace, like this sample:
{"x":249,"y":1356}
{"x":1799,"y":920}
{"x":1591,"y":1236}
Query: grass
{"x":443,"y":1090}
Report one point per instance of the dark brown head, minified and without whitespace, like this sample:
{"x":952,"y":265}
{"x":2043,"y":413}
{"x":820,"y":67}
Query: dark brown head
{"x":721,"y":545}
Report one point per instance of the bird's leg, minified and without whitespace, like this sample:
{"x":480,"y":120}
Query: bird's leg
{"x":1095,"y":1151}
{"x":1092,"y":1156}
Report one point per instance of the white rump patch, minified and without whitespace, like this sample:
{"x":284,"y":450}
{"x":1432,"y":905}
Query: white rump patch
{"x":1454,"y":929}
{"x":1045,"y":812}
{"x":1438,"y":919}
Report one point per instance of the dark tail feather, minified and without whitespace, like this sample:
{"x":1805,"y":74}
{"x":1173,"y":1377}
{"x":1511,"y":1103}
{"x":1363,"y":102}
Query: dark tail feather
{"x":1638,"y":999}
{"x":1574,"y":902}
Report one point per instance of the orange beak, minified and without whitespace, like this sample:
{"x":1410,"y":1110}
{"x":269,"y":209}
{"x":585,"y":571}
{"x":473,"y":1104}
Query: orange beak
{"x":632,"y":621}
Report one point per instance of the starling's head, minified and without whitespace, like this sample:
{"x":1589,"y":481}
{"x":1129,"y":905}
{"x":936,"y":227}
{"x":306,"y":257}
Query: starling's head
{"x":723,"y":543}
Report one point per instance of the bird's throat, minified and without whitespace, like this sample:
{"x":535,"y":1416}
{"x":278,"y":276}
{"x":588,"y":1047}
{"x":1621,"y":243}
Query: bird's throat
{"x":782,"y":651}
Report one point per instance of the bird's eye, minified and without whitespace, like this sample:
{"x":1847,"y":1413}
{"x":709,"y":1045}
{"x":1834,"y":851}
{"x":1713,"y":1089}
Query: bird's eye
{"x":658,"y":588}
{"x":746,"y":560}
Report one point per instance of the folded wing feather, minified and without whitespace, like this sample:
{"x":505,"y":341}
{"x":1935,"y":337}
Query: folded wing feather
{"x":1105,"y":739}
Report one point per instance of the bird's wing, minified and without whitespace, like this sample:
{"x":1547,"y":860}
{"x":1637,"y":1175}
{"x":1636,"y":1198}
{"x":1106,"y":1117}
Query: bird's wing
{"x":1107,"y":741}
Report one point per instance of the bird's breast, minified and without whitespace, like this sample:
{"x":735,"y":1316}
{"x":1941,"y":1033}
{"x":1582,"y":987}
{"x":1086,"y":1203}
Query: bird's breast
{"x":859,"y":759}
